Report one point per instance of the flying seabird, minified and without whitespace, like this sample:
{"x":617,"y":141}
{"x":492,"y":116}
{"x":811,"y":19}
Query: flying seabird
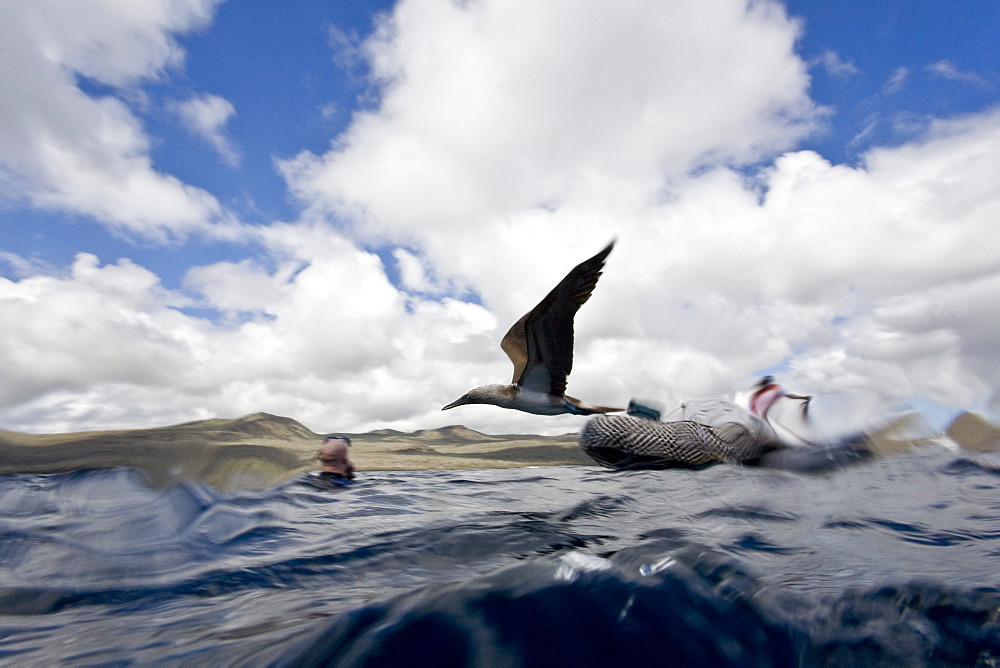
{"x":540,"y":345}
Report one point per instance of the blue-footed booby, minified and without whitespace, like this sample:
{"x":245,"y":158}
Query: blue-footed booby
{"x":540,"y":345}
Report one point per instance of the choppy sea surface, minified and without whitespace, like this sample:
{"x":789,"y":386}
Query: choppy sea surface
{"x":893,"y":562}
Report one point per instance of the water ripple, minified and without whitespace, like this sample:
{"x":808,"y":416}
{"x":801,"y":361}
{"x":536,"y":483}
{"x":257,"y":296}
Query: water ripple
{"x":727,"y":566}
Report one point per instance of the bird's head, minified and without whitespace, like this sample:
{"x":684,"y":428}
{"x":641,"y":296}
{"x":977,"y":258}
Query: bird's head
{"x":487,"y":394}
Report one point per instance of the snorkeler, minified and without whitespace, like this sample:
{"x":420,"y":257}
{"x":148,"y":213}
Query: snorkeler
{"x":335,"y":458}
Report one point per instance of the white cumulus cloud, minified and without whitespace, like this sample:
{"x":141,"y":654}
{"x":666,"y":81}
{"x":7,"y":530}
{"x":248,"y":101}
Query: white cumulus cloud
{"x":63,"y":149}
{"x":835,"y":65}
{"x":206,"y":116}
{"x":948,"y":70}
{"x":596,"y":99}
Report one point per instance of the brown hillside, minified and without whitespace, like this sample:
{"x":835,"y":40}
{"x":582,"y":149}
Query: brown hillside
{"x":261,"y":449}
{"x":974,"y":432}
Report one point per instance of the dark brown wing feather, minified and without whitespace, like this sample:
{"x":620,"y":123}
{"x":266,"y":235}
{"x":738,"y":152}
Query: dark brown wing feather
{"x":540,"y":344}
{"x":515,"y":345}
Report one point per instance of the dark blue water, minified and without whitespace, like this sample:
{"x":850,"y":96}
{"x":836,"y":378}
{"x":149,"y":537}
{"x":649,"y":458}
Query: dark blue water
{"x":894,"y":562}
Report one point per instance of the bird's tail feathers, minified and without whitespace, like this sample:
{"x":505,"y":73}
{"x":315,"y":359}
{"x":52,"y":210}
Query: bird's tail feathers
{"x":604,"y":409}
{"x":578,"y":407}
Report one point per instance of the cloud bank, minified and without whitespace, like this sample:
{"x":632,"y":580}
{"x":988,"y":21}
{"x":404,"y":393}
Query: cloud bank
{"x":484,"y":173}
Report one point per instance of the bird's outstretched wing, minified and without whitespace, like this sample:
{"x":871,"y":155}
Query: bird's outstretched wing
{"x":540,"y":344}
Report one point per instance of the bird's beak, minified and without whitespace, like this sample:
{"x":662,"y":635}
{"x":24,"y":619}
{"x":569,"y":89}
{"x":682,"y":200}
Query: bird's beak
{"x":458,"y":402}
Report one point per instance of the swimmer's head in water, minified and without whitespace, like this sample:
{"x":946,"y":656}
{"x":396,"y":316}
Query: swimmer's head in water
{"x":334,"y":456}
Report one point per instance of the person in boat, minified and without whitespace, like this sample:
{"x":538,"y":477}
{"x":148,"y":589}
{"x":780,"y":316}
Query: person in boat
{"x":334,"y":456}
{"x":708,"y":431}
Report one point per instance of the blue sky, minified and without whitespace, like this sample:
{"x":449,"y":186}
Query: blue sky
{"x":333,"y":211}
{"x":942,"y":58}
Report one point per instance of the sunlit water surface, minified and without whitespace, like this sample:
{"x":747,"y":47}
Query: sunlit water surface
{"x":894,"y":562}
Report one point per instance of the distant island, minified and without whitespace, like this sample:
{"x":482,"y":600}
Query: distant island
{"x":261,"y":449}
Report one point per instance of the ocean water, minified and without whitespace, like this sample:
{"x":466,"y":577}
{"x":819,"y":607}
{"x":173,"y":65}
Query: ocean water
{"x":893,"y":562}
